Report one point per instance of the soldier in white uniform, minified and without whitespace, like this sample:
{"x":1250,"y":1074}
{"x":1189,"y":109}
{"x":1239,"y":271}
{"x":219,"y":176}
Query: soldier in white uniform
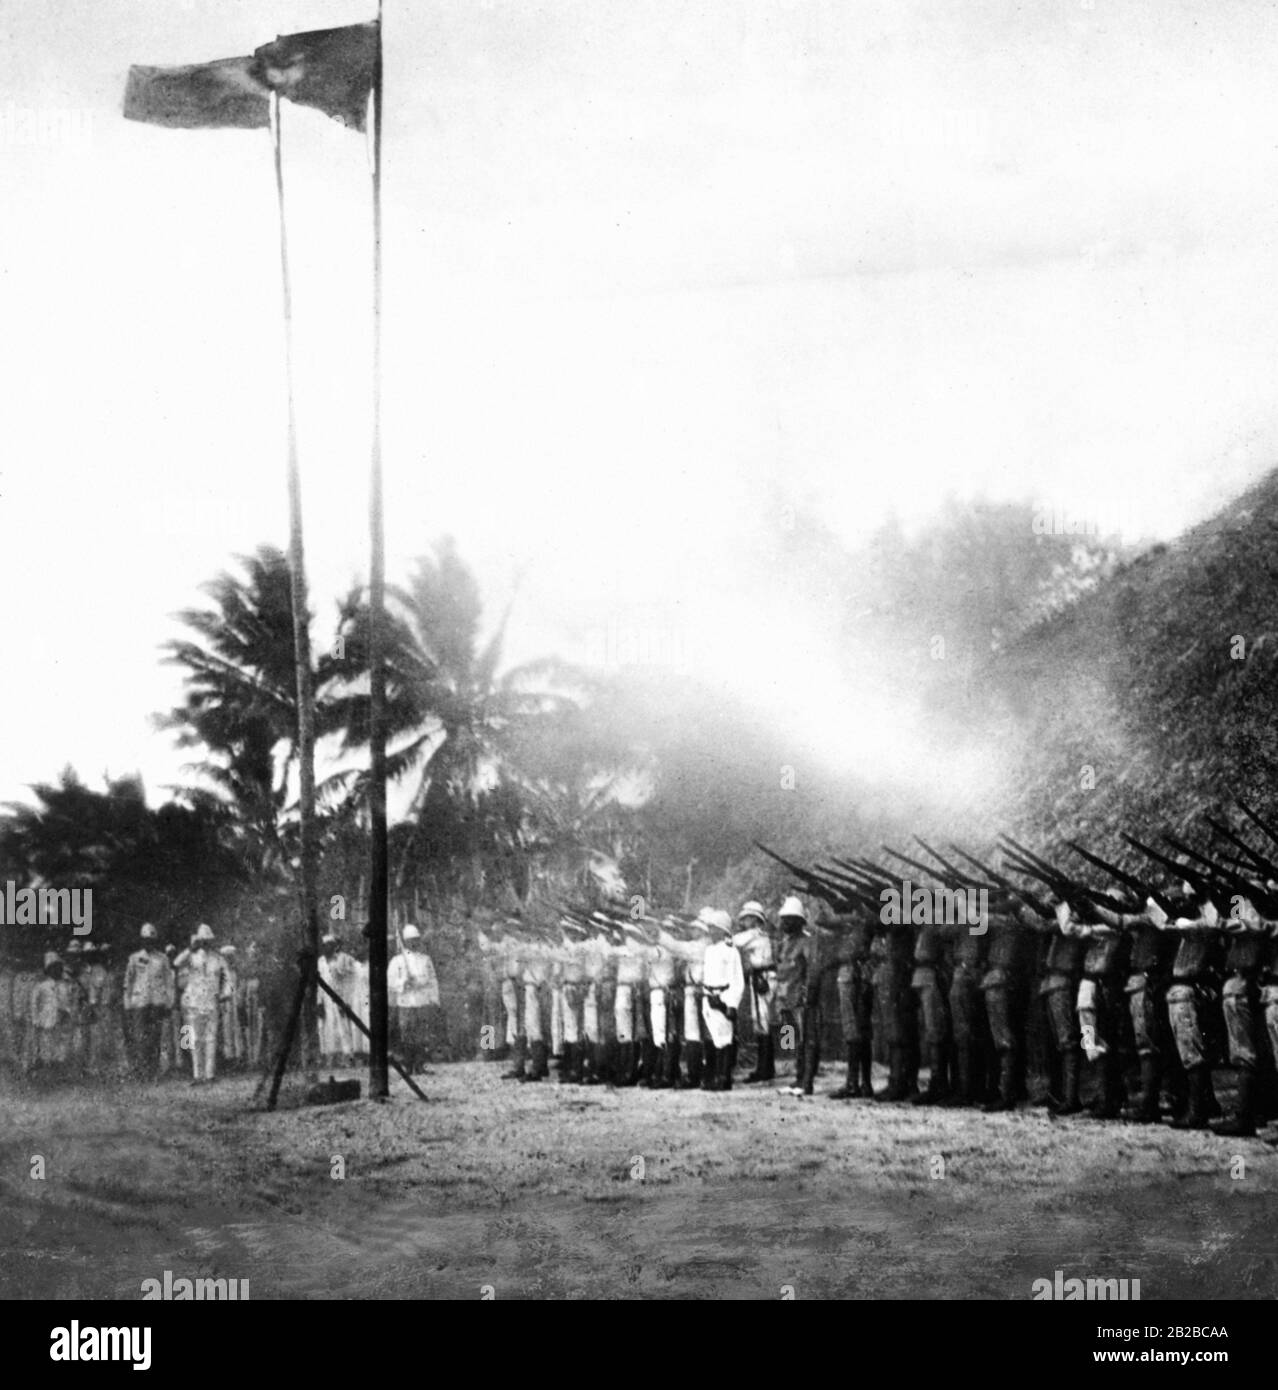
{"x":693,"y":961}
{"x":512,"y":977}
{"x":663,"y":977}
{"x":722,"y":989}
{"x":632,"y":973}
{"x":536,"y":982}
{"x":593,"y":955}
{"x":203,"y":983}
{"x":149,"y":996}
{"x":754,"y":941}
{"x":572,"y":986}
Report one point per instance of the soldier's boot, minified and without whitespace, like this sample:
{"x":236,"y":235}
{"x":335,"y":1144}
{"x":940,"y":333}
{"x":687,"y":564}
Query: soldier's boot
{"x":937,"y":1084}
{"x":517,"y":1057}
{"x":589,"y":1063}
{"x":659,"y":1078}
{"x":1194,"y":1115}
{"x":732,"y":1061}
{"x":962,"y":1093}
{"x":564,"y":1065}
{"x":867,"y":1064}
{"x":1177,"y":1087}
{"x":895,"y":1089}
{"x":570,"y":1064}
{"x":624,"y":1070}
{"x":672,"y":1078}
{"x":1071,"y":1070}
{"x":764,"y":1067}
{"x":1242,"y":1123}
{"x":1108,"y":1102}
{"x":539,"y":1056}
{"x":647,"y":1063}
{"x":710,"y":1067}
{"x":1051,"y":1097}
{"x":725,"y":1059}
{"x":1005,"y":1097}
{"x":1211,"y":1105}
{"x":1144,"y":1109}
{"x":851,"y":1086}
{"x":811,"y":1063}
{"x":694,"y":1059}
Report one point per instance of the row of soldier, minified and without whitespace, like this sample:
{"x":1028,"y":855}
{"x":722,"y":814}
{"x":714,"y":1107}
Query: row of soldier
{"x":665,"y":1003}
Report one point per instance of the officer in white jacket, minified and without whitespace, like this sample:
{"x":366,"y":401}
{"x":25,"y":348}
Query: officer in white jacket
{"x":414,"y":990}
{"x":722,"y":989}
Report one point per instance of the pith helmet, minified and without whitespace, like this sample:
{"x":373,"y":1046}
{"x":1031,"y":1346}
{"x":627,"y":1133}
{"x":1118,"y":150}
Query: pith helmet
{"x":792,"y":907}
{"x":753,"y":909}
{"x":148,"y":932}
{"x":717,"y":920}
{"x":410,"y":933}
{"x":203,"y":932}
{"x":74,"y":948}
{"x":51,"y":958}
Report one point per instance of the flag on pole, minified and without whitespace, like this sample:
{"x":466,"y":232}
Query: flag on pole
{"x":223,"y":93}
{"x":329,"y":69}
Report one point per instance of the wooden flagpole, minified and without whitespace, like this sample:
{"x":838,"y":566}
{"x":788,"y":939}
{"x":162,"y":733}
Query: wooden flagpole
{"x":301,"y":653}
{"x":379,"y":1004}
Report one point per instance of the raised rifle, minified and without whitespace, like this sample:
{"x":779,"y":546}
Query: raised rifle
{"x":946,"y":879}
{"x":1251,"y":815}
{"x":1204,"y":886}
{"x":1035,"y":905}
{"x":961,"y":877}
{"x":1137,"y":885}
{"x":1266,"y":866}
{"x":816,"y":885}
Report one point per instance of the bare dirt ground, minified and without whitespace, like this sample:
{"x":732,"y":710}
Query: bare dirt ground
{"x":548,"y":1191}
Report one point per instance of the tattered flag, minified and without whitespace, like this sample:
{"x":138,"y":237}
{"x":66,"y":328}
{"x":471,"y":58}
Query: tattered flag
{"x":332,"y":70}
{"x":223,"y":93}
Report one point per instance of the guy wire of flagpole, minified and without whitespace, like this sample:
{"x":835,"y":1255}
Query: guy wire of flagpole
{"x":379,"y":869}
{"x":304,"y":1003}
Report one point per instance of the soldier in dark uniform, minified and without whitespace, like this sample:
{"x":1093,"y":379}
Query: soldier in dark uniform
{"x":1058,"y":996}
{"x":930,"y":984}
{"x":1100,"y":999}
{"x":1148,"y":977}
{"x":1250,"y":941}
{"x":792,"y":977}
{"x":968,"y":1024}
{"x":1002,"y":987}
{"x":1194,"y":973}
{"x":856,"y":1005}
{"x":894,"y":1001}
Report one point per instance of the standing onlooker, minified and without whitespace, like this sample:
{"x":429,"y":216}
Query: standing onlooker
{"x":230,"y":1042}
{"x":52,"y":1019}
{"x":413,"y":990}
{"x":148,"y":1000}
{"x":203,"y":982}
{"x":337,"y":970}
{"x":73,"y":968}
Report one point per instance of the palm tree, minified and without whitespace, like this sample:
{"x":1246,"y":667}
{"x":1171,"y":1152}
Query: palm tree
{"x":241,"y":697}
{"x":484,"y":745}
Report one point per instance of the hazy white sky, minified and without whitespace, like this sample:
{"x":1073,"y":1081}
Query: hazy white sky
{"x":649,"y":266}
